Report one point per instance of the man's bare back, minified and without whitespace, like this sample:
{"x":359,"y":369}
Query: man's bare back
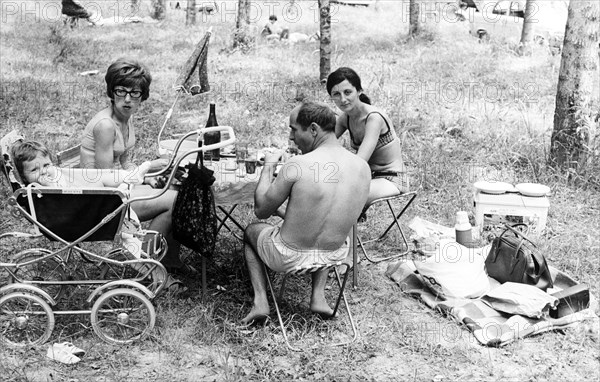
{"x":327,"y":196}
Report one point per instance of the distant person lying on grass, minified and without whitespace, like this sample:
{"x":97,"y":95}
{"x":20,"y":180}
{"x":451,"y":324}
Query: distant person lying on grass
{"x":372,"y":133}
{"x":326,"y":188}
{"x":33,"y":164}
{"x":109,"y":138}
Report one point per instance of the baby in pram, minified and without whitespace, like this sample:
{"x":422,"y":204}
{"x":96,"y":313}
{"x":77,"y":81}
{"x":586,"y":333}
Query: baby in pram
{"x":33,"y":164}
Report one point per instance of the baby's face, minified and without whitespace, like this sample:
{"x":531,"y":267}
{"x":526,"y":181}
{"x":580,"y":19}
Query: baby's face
{"x":40,"y":170}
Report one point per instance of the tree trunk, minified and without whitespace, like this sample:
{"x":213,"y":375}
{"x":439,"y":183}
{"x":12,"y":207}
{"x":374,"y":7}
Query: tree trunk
{"x":241,"y":37}
{"x":576,"y":102}
{"x":414,"y":27}
{"x":528,"y":23}
{"x":190,"y":13}
{"x":159,"y":10}
{"x":243,"y":15}
{"x":325,"y":45}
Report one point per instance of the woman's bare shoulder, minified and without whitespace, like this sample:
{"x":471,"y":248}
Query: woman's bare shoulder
{"x":104,"y":125}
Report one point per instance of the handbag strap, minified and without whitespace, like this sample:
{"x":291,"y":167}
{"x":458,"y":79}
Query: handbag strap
{"x":518,"y":233}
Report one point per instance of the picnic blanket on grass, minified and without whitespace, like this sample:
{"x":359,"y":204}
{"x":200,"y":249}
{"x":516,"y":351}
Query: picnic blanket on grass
{"x":489,"y":326}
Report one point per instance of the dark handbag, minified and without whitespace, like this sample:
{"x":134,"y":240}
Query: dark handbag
{"x":194,"y":218}
{"x":514,"y":258}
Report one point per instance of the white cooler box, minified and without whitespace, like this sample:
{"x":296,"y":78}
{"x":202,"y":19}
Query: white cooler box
{"x":493,"y":210}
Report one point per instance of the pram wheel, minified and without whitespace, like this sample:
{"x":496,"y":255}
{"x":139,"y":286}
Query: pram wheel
{"x":121,"y":316}
{"x":25,"y":319}
{"x":154,"y":282}
{"x":49,"y":269}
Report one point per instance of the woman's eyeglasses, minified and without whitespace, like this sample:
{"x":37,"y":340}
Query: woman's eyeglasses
{"x":123,"y":93}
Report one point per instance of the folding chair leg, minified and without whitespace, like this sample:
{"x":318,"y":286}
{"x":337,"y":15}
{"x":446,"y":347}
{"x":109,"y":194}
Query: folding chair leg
{"x":397,"y":224}
{"x":281,"y":324}
{"x":341,"y":296}
{"x":228,"y":216}
{"x":396,"y":217}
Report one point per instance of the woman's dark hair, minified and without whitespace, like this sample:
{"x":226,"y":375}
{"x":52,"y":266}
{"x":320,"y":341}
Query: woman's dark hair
{"x":345,"y":73}
{"x":272,"y":18}
{"x":128,"y":73}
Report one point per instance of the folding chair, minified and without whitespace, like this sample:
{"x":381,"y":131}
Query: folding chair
{"x":388,"y":200}
{"x":69,"y":157}
{"x":309,"y":270}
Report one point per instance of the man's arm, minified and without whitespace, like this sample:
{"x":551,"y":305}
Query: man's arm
{"x":271,"y":192}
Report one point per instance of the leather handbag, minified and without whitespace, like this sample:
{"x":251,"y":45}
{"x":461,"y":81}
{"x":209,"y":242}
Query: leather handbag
{"x":515,"y":258}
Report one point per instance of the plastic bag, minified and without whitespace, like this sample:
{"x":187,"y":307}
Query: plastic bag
{"x":455,"y":270}
{"x":523,"y":299}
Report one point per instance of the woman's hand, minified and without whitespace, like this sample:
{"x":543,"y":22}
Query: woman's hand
{"x":158,"y":164}
{"x":137,"y":175}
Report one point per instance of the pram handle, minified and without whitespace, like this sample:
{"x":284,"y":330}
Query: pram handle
{"x":175,"y":161}
{"x":200,"y":133}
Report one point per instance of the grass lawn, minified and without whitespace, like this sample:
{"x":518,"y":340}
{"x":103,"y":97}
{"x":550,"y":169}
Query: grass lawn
{"x":465,"y":111}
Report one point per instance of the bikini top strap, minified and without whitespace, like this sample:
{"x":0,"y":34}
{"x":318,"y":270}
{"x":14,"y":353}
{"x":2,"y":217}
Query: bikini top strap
{"x":384,"y":119}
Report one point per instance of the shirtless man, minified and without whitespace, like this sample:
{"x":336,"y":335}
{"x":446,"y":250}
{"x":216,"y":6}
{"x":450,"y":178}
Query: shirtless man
{"x":326,"y":189}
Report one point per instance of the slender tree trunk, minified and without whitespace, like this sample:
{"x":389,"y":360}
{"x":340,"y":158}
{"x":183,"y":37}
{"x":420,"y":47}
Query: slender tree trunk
{"x":414,"y":27}
{"x":159,"y":9}
{"x":527,"y":33}
{"x":241,"y":36}
{"x":243,"y":15}
{"x":190,"y":13}
{"x":576,"y":102}
{"x":325,"y":46}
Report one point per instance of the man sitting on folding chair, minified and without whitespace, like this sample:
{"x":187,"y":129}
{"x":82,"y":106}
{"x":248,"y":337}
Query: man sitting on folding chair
{"x":326,"y":188}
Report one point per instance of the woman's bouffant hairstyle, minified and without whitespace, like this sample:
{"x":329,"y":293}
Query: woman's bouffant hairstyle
{"x":345,"y":73}
{"x":128,"y":73}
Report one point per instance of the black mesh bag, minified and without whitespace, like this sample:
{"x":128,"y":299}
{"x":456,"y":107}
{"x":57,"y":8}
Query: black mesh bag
{"x":194,"y":216}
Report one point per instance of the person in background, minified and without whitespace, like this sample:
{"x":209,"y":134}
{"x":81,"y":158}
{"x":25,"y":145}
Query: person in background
{"x":326,"y":188}
{"x":109,"y":138}
{"x":371,"y":131}
{"x":273,"y":31}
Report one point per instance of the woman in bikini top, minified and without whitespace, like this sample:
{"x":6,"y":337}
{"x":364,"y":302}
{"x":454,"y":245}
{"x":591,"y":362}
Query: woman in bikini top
{"x":371,"y":132}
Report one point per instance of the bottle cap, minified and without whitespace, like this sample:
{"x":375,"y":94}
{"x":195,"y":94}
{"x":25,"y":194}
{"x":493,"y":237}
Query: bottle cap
{"x":462,"y":217}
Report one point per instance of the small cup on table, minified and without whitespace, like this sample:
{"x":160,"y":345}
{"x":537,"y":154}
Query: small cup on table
{"x":241,"y":153}
{"x":251,"y":161}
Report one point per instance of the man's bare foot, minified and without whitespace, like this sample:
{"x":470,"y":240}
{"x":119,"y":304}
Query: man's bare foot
{"x":321,"y":308}
{"x":257,"y":313}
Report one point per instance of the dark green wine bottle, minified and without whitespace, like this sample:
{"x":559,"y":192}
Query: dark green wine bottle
{"x":213,"y":137}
